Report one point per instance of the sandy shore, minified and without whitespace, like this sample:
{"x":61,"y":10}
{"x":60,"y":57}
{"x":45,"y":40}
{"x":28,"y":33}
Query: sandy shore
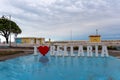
{"x":114,"y":53}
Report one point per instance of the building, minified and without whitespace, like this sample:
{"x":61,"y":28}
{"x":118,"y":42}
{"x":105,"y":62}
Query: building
{"x":94,"y":38}
{"x":29,"y":40}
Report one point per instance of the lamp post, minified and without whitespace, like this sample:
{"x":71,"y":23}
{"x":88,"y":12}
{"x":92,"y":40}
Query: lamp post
{"x":71,"y":35}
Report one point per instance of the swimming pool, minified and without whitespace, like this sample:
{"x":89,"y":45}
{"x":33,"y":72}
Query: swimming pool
{"x":60,"y":68}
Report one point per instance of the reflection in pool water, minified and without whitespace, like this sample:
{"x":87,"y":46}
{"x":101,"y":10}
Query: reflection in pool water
{"x":43,"y":59}
{"x":60,"y":68}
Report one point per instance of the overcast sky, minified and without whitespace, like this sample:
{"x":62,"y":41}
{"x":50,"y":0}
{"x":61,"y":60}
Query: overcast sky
{"x":57,"y":19}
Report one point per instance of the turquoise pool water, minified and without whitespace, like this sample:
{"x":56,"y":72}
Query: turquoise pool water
{"x":60,"y":68}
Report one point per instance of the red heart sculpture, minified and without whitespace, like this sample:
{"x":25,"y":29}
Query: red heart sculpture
{"x":43,"y":50}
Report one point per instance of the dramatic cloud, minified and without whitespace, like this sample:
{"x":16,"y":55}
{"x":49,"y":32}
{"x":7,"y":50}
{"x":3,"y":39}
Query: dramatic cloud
{"x":56,"y":19}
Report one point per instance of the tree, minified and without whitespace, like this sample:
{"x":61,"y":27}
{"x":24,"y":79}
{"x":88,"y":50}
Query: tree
{"x":7,"y":27}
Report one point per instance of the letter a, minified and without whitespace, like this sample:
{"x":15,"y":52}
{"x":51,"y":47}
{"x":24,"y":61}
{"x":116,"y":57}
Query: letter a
{"x":80,"y":51}
{"x":104,"y":51}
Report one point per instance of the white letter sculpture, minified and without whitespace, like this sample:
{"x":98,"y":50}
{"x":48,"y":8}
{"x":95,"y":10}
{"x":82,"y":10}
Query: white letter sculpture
{"x":80,"y":51}
{"x":59,"y":51}
{"x":52,"y":50}
{"x":104,"y":51}
{"x":89,"y":51}
{"x":71,"y":51}
{"x":96,"y":51}
{"x":35,"y":50}
{"x":65,"y":51}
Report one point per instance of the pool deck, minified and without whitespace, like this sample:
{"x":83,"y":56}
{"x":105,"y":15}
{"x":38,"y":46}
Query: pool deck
{"x":25,"y":52}
{"x":114,"y":53}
